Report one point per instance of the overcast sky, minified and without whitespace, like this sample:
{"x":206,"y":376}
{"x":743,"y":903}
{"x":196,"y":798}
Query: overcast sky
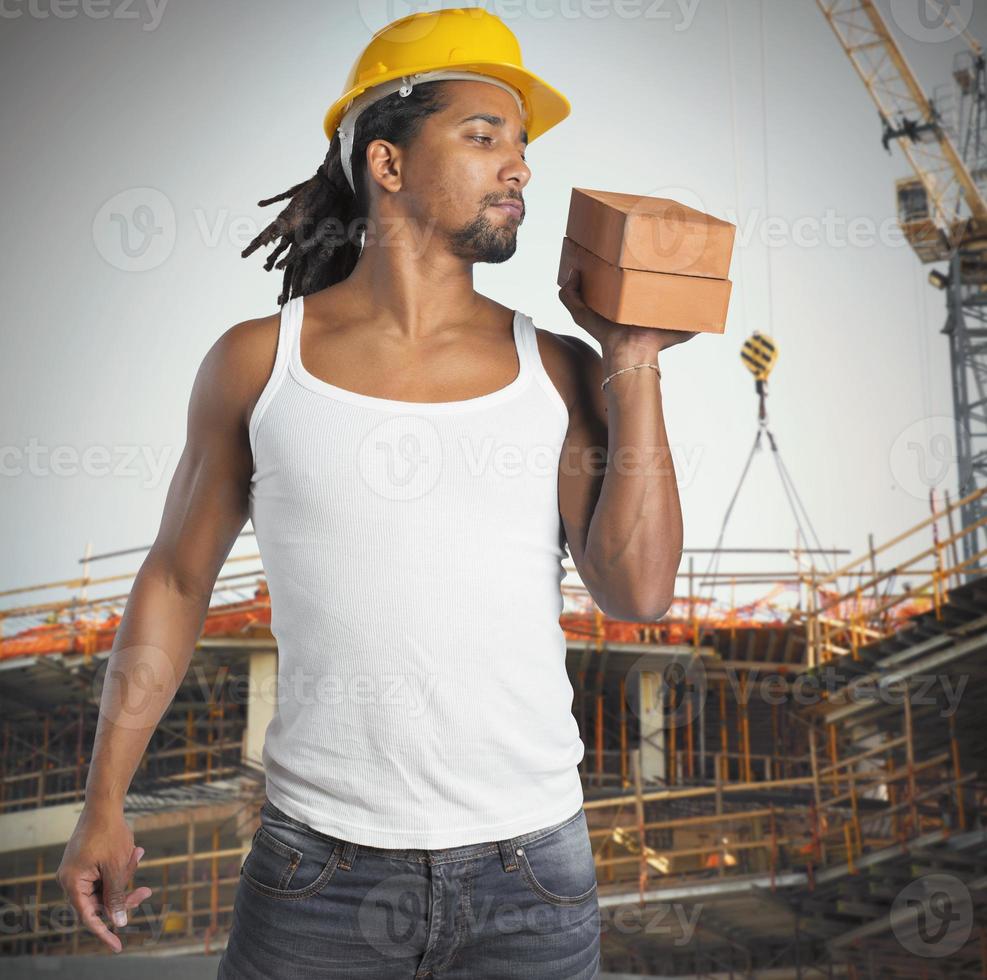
{"x":177,"y":117}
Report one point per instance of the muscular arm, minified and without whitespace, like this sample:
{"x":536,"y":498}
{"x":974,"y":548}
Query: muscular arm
{"x":617,"y":490}
{"x":205,"y":509}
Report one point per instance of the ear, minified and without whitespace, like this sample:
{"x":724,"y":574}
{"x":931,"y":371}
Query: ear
{"x":384,"y":164}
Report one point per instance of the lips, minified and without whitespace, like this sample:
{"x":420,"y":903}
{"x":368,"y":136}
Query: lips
{"x":513,"y":206}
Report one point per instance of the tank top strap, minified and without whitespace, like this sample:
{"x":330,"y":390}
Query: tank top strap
{"x":282,"y":358}
{"x":533,"y":365}
{"x":291,"y":325}
{"x":527,"y":344}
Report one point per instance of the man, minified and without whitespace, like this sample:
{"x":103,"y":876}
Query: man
{"x":413,"y":456}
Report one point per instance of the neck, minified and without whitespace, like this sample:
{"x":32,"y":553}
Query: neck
{"x":413,"y":289}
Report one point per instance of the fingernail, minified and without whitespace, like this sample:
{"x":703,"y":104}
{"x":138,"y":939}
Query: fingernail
{"x":140,"y":854}
{"x":119,"y":918}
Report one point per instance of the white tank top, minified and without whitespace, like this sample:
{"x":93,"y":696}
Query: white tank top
{"x":413,"y":553}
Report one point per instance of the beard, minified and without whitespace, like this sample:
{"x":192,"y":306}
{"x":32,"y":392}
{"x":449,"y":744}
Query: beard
{"x":483,"y":241}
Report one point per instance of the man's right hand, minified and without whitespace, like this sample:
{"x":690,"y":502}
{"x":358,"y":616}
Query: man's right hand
{"x":99,"y":860}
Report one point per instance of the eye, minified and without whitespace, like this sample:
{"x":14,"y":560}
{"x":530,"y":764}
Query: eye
{"x":479,"y":136}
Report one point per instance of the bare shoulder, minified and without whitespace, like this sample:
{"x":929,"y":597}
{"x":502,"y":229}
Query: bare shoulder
{"x":209,"y":496}
{"x":239,"y":363}
{"x":575,"y":368}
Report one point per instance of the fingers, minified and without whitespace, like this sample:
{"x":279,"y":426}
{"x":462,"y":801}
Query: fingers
{"x":681,"y":336}
{"x":137,"y":896}
{"x":100,"y":930}
{"x":571,"y":298}
{"x":95,"y":882}
{"x":87,"y":906}
{"x":135,"y":859}
{"x":569,"y":290}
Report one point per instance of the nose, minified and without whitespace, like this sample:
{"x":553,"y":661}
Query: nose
{"x":518,"y":171}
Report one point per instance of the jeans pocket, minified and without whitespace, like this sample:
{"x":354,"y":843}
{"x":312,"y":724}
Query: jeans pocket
{"x":284,"y":863}
{"x":559,"y":867}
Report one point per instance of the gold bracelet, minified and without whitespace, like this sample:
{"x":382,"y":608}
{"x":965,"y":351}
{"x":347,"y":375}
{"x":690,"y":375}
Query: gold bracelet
{"x":631,"y":368}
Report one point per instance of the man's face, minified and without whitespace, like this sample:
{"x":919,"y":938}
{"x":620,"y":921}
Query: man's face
{"x":466,"y":159}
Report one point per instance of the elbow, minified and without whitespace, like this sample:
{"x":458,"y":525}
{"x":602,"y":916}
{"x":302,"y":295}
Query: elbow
{"x":660,"y":609}
{"x":655,"y":609}
{"x":655,"y":597}
{"x":631,"y":596}
{"x":646,"y":608}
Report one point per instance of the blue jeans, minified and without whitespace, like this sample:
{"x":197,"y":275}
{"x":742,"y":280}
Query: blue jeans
{"x":312,"y":905}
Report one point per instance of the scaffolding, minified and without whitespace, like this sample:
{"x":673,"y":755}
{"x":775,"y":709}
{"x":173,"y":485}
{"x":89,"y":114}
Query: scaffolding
{"x":778,"y":771}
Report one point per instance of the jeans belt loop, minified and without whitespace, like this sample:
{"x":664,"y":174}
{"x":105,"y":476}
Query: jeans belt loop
{"x":507,"y":854}
{"x":349,"y":855}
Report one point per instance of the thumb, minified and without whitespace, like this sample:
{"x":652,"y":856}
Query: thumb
{"x":114,"y":888}
{"x":570,"y":293}
{"x":114,"y":898}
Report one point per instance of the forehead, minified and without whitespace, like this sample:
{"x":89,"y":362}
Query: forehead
{"x":475,"y":99}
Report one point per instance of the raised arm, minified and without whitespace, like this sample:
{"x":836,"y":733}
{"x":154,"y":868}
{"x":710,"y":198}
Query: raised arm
{"x":618,"y":494}
{"x":617,"y":490}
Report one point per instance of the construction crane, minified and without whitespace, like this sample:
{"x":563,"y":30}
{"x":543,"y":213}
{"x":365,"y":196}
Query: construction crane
{"x":942,"y":210}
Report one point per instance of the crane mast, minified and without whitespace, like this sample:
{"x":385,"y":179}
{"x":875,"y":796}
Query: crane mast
{"x":942,"y":210}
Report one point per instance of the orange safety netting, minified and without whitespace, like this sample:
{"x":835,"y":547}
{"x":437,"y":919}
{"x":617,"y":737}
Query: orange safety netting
{"x":90,"y":635}
{"x":580,"y":626}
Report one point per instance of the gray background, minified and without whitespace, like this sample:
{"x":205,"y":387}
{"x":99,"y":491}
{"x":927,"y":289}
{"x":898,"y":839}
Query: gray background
{"x":749,"y":110}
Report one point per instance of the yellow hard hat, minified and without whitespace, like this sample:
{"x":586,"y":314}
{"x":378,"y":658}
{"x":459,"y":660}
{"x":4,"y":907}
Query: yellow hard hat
{"x":465,"y":38}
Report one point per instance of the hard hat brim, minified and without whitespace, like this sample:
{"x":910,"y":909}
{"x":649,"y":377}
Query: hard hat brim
{"x":546,"y":105}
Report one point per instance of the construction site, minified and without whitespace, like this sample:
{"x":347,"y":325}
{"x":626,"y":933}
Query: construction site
{"x":784,"y":777}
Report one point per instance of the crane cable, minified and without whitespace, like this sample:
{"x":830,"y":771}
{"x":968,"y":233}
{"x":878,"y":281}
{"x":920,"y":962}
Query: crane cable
{"x":788,"y":485}
{"x":759,"y":354}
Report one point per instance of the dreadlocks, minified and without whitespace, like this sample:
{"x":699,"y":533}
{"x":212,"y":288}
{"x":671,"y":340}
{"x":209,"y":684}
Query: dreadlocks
{"x":322,"y":225}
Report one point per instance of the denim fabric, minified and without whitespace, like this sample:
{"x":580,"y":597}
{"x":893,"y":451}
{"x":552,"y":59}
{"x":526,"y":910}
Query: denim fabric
{"x":312,"y":905}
